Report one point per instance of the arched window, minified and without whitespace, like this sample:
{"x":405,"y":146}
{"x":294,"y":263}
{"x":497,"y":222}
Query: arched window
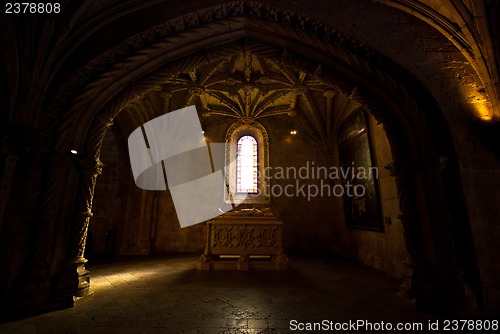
{"x":247,"y":159}
{"x":246,"y":165}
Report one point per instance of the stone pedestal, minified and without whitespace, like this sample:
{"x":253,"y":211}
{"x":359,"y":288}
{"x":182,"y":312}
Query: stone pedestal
{"x":74,"y":281}
{"x":244,"y":243}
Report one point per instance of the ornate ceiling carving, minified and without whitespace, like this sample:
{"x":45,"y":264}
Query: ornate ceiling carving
{"x":250,"y":85}
{"x":134,"y":67}
{"x":61,"y":97}
{"x":473,"y":39}
{"x":255,"y":82}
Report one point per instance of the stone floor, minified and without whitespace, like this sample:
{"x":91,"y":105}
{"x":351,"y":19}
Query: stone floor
{"x":168,"y":295}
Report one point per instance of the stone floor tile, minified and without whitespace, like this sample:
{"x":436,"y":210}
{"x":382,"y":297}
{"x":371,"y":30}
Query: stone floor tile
{"x":165,"y":294}
{"x":237,"y":323}
{"x":257,"y":323}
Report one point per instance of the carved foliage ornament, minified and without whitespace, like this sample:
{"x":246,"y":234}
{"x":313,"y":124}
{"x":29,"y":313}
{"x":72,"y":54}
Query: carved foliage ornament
{"x":148,"y":38}
{"x":243,"y":237}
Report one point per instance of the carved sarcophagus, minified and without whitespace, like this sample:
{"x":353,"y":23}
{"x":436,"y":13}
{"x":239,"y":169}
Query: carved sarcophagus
{"x":243,"y":243}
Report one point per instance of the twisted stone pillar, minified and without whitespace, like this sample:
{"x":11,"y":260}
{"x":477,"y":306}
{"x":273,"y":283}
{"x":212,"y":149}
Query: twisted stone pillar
{"x":412,"y":283}
{"x":432,"y":276}
{"x":454,"y":280}
{"x":75,"y":279}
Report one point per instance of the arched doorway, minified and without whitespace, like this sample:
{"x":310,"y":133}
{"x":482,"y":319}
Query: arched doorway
{"x":418,"y":136}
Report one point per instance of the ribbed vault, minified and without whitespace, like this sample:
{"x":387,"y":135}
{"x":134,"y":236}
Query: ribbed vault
{"x":258,"y":81}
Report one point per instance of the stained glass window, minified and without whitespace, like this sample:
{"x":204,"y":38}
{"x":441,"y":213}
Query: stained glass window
{"x":246,"y":165}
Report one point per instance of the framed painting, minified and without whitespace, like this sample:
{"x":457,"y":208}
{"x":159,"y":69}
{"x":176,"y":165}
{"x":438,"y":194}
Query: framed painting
{"x":361,"y":196}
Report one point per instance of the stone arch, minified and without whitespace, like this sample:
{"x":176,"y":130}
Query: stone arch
{"x":376,"y":82}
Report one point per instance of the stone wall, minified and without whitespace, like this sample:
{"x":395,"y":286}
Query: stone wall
{"x":384,"y":250}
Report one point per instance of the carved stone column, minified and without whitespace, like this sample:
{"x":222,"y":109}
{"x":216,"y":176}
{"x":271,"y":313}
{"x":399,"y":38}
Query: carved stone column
{"x":415,"y":280}
{"x":75,"y":279}
{"x":454,"y":283}
{"x":432,"y":276}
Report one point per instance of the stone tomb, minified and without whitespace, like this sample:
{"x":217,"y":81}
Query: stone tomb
{"x":244,"y":240}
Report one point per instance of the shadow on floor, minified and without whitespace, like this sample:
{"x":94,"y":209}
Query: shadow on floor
{"x":166,"y":294}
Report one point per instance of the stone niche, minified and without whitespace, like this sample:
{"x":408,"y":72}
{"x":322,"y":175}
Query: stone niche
{"x":128,"y":220}
{"x":145,"y":222}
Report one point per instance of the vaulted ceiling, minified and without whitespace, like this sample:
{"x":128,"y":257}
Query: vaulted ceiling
{"x":471,"y":25}
{"x":255,"y":81}
{"x":92,"y":50}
